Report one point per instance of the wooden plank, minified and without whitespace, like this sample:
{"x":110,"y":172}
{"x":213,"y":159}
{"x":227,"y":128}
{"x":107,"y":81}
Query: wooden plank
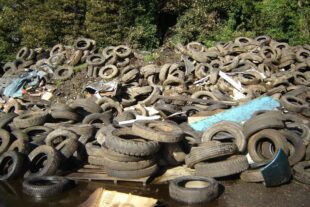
{"x":92,"y":170}
{"x":102,"y":177}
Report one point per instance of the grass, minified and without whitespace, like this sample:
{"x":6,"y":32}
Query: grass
{"x":79,"y":68}
{"x":151,"y":57}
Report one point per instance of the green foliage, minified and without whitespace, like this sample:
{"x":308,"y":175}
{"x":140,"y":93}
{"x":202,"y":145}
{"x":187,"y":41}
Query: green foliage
{"x":140,"y":24}
{"x":79,"y":68}
{"x":151,"y":57}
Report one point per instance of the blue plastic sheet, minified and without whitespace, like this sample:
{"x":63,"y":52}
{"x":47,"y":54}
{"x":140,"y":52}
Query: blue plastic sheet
{"x":237,"y":114}
{"x":32,"y":78}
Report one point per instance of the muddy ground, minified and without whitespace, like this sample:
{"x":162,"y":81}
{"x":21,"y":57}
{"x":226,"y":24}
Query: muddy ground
{"x":234,"y":193}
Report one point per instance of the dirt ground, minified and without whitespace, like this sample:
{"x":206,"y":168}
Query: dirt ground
{"x":234,"y":193}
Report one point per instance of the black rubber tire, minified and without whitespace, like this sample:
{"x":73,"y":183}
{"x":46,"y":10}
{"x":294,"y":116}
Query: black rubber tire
{"x":6,"y":118}
{"x":87,"y":104}
{"x":62,"y":134}
{"x":209,"y":151}
{"x":233,"y":165}
{"x":158,"y":131}
{"x":64,"y":114}
{"x":110,"y":76}
{"x":59,"y":73}
{"x":83,"y":44}
{"x":252,"y":176}
{"x":133,"y":174}
{"x":293,"y":103}
{"x":82,"y":129}
{"x":268,"y":120}
{"x":129,"y":146}
{"x":6,"y":141}
{"x":68,"y":147}
{"x":122,"y":51}
{"x":94,"y":149}
{"x":94,"y":160}
{"x":19,"y":134}
{"x":12,"y":165}
{"x":193,"y":195}
{"x":113,"y":155}
{"x":37,"y":134}
{"x":21,"y":146}
{"x":30,"y":119}
{"x":126,"y":166}
{"x":45,"y":186}
{"x":271,"y":135}
{"x":307,"y":157}
{"x":104,"y":118}
{"x":44,"y":160}
{"x":95,"y":60}
{"x":299,"y":148}
{"x":230,"y":127}
{"x":300,"y":172}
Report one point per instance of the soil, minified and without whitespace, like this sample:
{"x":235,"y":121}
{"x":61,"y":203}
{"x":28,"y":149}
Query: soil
{"x":234,"y":193}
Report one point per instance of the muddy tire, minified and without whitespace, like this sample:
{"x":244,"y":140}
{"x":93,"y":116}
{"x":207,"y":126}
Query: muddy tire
{"x":30,"y":119}
{"x":269,"y":120}
{"x":252,"y":176}
{"x":87,"y":104}
{"x":293,"y":103}
{"x":230,"y":127}
{"x":104,"y":118}
{"x":68,"y":147}
{"x":45,"y":186}
{"x":210,"y":151}
{"x":300,"y":172}
{"x":5,"y":139}
{"x":193,"y":189}
{"x":299,"y":151}
{"x":116,"y":156}
{"x":273,"y":136}
{"x":158,"y":131}
{"x":63,"y":73}
{"x":133,"y":174}
{"x":6,"y":118}
{"x":12,"y":165}
{"x":59,"y":134}
{"x":126,"y":142}
{"x":21,"y":146}
{"x":94,"y":149}
{"x":44,"y":160}
{"x":66,"y":115}
{"x":233,"y":165}
{"x":127,"y":166}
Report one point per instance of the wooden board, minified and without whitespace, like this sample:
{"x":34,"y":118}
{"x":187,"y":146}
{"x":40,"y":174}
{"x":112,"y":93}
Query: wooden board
{"x":90,"y":174}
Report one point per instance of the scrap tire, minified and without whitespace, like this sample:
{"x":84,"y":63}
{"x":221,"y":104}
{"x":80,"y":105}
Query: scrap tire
{"x":193,"y":195}
{"x":117,"y":165}
{"x":268,"y":120}
{"x":12,"y":165}
{"x":59,"y":133}
{"x":68,"y":147}
{"x":133,"y":174}
{"x":21,"y":146}
{"x":226,"y":126}
{"x":5,"y":139}
{"x":94,"y":149}
{"x":46,"y":156}
{"x":6,"y":118}
{"x":45,"y":186}
{"x":129,"y":146}
{"x":231,"y":166}
{"x":116,"y":156}
{"x":300,"y":172}
{"x":272,"y":135}
{"x":158,"y":131}
{"x":252,"y":176}
{"x":30,"y":119}
{"x":299,"y":147}
{"x":207,"y":152}
{"x":87,"y":104}
{"x":64,"y":114}
{"x":63,"y":77}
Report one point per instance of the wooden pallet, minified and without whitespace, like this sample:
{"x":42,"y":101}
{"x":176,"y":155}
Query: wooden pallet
{"x":92,"y":172}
